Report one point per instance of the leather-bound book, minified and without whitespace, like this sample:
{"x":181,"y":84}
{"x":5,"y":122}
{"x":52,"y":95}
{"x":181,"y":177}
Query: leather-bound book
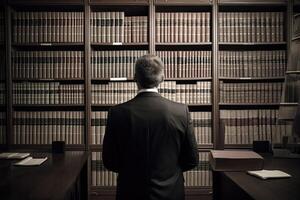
{"x":235,"y":160}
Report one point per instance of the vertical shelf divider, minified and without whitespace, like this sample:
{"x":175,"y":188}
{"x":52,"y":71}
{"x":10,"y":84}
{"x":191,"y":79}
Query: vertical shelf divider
{"x":87,"y":84}
{"x":9,"y":111}
{"x":218,"y":143}
{"x":87,"y":53}
{"x":151,"y":31}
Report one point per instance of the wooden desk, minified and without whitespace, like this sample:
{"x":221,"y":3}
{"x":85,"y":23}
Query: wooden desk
{"x":62,"y":176}
{"x":239,"y":185}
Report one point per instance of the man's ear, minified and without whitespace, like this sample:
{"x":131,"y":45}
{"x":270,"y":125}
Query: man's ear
{"x":162,"y":78}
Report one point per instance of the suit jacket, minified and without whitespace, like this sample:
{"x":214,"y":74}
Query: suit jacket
{"x":149,"y":142}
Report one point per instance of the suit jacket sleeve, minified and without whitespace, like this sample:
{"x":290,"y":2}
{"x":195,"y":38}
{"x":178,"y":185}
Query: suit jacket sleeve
{"x":189,"y":157}
{"x":110,"y":150}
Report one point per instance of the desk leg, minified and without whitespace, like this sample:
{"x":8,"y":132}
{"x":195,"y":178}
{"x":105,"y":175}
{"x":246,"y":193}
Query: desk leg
{"x":84,"y":182}
{"x":216,"y":185}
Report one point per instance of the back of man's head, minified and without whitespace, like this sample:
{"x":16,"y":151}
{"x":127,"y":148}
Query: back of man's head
{"x":149,"y":71}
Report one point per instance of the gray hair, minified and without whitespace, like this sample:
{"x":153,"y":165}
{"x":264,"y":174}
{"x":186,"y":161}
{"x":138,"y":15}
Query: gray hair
{"x":149,"y":71}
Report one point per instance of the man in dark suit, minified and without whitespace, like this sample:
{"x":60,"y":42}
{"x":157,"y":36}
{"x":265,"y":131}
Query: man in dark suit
{"x":149,"y":140}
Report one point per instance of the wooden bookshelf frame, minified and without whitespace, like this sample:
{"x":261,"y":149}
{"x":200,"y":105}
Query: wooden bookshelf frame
{"x":214,"y":45}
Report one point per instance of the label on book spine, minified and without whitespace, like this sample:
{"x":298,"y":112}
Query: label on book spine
{"x":118,"y":79}
{"x":46,"y":44}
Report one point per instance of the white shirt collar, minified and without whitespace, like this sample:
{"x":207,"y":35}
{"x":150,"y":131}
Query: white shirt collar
{"x":148,"y":90}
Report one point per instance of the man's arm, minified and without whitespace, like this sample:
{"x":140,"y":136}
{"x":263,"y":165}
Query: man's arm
{"x":189,"y":157}
{"x":110,"y":152}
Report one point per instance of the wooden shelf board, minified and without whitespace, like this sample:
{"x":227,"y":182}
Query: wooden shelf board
{"x":95,"y":147}
{"x":252,"y":3}
{"x":292,"y":72}
{"x":205,"y":146}
{"x":62,"y":44}
{"x":119,"y":44}
{"x":183,"y":2}
{"x":281,"y":78}
{"x":106,"y":190}
{"x":201,"y":147}
{"x":248,"y":104}
{"x":190,"y":105}
{"x":68,"y":147}
{"x":48,"y":105}
{"x":44,"y":107}
{"x":46,"y":2}
{"x":238,"y":146}
{"x":46,"y":80}
{"x":251,"y":43}
{"x":166,"y":79}
{"x":119,"y":2}
{"x":184,"y":44}
{"x":296,"y":38}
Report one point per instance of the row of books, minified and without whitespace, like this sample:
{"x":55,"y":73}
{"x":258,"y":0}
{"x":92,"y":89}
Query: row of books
{"x":118,"y":92}
{"x":201,"y":123}
{"x":2,"y":93}
{"x":110,"y":27}
{"x":267,"y":92}
{"x":136,"y":29}
{"x":200,"y":176}
{"x":107,"y":27}
{"x":2,"y":64}
{"x":100,"y":175}
{"x":2,"y":127}
{"x":245,"y":126}
{"x":47,"y":93}
{"x":2,"y":27}
{"x":186,"y":64}
{"x":43,"y":127}
{"x":252,"y":63}
{"x":183,"y":27}
{"x":296,"y":26}
{"x":294,"y":64}
{"x":111,"y":64}
{"x":292,"y":88}
{"x":251,"y":27}
{"x":47,"y":64}
{"x":48,"y":27}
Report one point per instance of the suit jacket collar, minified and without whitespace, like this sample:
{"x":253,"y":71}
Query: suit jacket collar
{"x":148,"y":94}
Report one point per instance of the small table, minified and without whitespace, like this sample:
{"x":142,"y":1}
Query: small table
{"x":62,"y":176}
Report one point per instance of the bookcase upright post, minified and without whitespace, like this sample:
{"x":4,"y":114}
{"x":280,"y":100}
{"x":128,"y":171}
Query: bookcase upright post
{"x":217,"y":143}
{"x":9,"y":111}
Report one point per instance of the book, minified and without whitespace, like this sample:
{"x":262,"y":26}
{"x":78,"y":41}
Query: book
{"x":235,"y":160}
{"x":29,"y":161}
{"x":13,"y":155}
{"x":269,"y":174}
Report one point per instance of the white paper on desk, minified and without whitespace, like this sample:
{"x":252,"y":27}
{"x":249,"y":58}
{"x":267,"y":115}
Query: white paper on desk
{"x":31,"y":161}
{"x":266,"y":174}
{"x":13,"y":155}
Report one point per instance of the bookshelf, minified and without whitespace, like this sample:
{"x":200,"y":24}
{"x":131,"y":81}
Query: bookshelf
{"x":142,"y":26}
{"x":290,"y":94}
{"x":263,"y":55}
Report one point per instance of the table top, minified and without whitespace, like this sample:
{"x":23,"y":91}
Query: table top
{"x":51,"y":180}
{"x":287,"y":188}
